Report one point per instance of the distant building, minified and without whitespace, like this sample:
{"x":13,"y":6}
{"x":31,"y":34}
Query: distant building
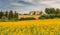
{"x":32,"y":13}
{"x":38,"y":13}
{"x":35,"y":13}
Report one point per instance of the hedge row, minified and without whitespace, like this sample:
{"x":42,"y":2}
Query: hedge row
{"x":28,"y":18}
{"x":49,"y":16}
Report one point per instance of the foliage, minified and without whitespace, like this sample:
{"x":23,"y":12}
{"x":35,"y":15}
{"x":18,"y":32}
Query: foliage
{"x":57,"y":11}
{"x":52,"y":11}
{"x":3,"y":19}
{"x":28,"y":18}
{"x":49,"y":16}
{"x":10,"y":15}
{"x":1,"y":14}
{"x":16,"y":15}
{"x":52,"y":16}
{"x":6,"y":14}
{"x":42,"y":17}
{"x":57,"y":15}
{"x":13,"y":16}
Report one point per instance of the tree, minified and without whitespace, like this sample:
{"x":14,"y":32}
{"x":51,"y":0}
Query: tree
{"x":11,"y":14}
{"x":6,"y":14}
{"x":50,"y":11}
{"x":57,"y":11}
{"x":47,"y":11}
{"x":16,"y":15}
{"x":1,"y":14}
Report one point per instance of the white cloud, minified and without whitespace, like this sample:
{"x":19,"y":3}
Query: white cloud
{"x":52,"y":3}
{"x":17,"y":4}
{"x":40,"y":5}
{"x":28,"y":0}
{"x":26,"y":9}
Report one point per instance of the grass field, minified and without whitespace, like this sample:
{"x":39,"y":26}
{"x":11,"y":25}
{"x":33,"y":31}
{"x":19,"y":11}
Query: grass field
{"x":31,"y":27}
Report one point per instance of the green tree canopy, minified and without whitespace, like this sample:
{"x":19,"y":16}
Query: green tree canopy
{"x":10,"y":14}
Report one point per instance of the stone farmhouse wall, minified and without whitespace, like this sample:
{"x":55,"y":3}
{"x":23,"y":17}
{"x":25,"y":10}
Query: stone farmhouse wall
{"x":31,"y":14}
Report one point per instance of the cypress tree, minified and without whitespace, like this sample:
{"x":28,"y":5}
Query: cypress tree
{"x":10,"y":14}
{"x":1,"y":14}
{"x":6,"y":14}
{"x":16,"y":15}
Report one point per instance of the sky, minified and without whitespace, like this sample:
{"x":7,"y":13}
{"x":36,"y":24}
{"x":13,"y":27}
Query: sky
{"x":25,"y":6}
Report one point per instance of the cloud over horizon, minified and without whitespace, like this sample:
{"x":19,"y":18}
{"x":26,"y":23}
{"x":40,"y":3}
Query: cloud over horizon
{"x":24,"y":6}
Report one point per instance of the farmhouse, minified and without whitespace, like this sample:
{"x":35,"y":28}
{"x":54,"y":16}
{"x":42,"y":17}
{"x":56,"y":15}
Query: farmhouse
{"x":34,"y":14}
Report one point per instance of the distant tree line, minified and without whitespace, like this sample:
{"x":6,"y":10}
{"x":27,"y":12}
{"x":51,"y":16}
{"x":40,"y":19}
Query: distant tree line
{"x":9,"y":15}
{"x":52,"y":11}
{"x":50,"y":14}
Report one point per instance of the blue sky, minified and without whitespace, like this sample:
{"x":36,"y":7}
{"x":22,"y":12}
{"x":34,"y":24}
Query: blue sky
{"x":25,"y":6}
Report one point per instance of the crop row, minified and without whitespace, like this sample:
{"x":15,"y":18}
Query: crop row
{"x":30,"y":30}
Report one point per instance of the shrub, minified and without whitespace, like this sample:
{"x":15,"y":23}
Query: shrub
{"x":42,"y":17}
{"x":52,"y":16}
{"x":4,"y":19}
{"x":49,"y":16}
{"x":57,"y":15}
{"x":28,"y":18}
